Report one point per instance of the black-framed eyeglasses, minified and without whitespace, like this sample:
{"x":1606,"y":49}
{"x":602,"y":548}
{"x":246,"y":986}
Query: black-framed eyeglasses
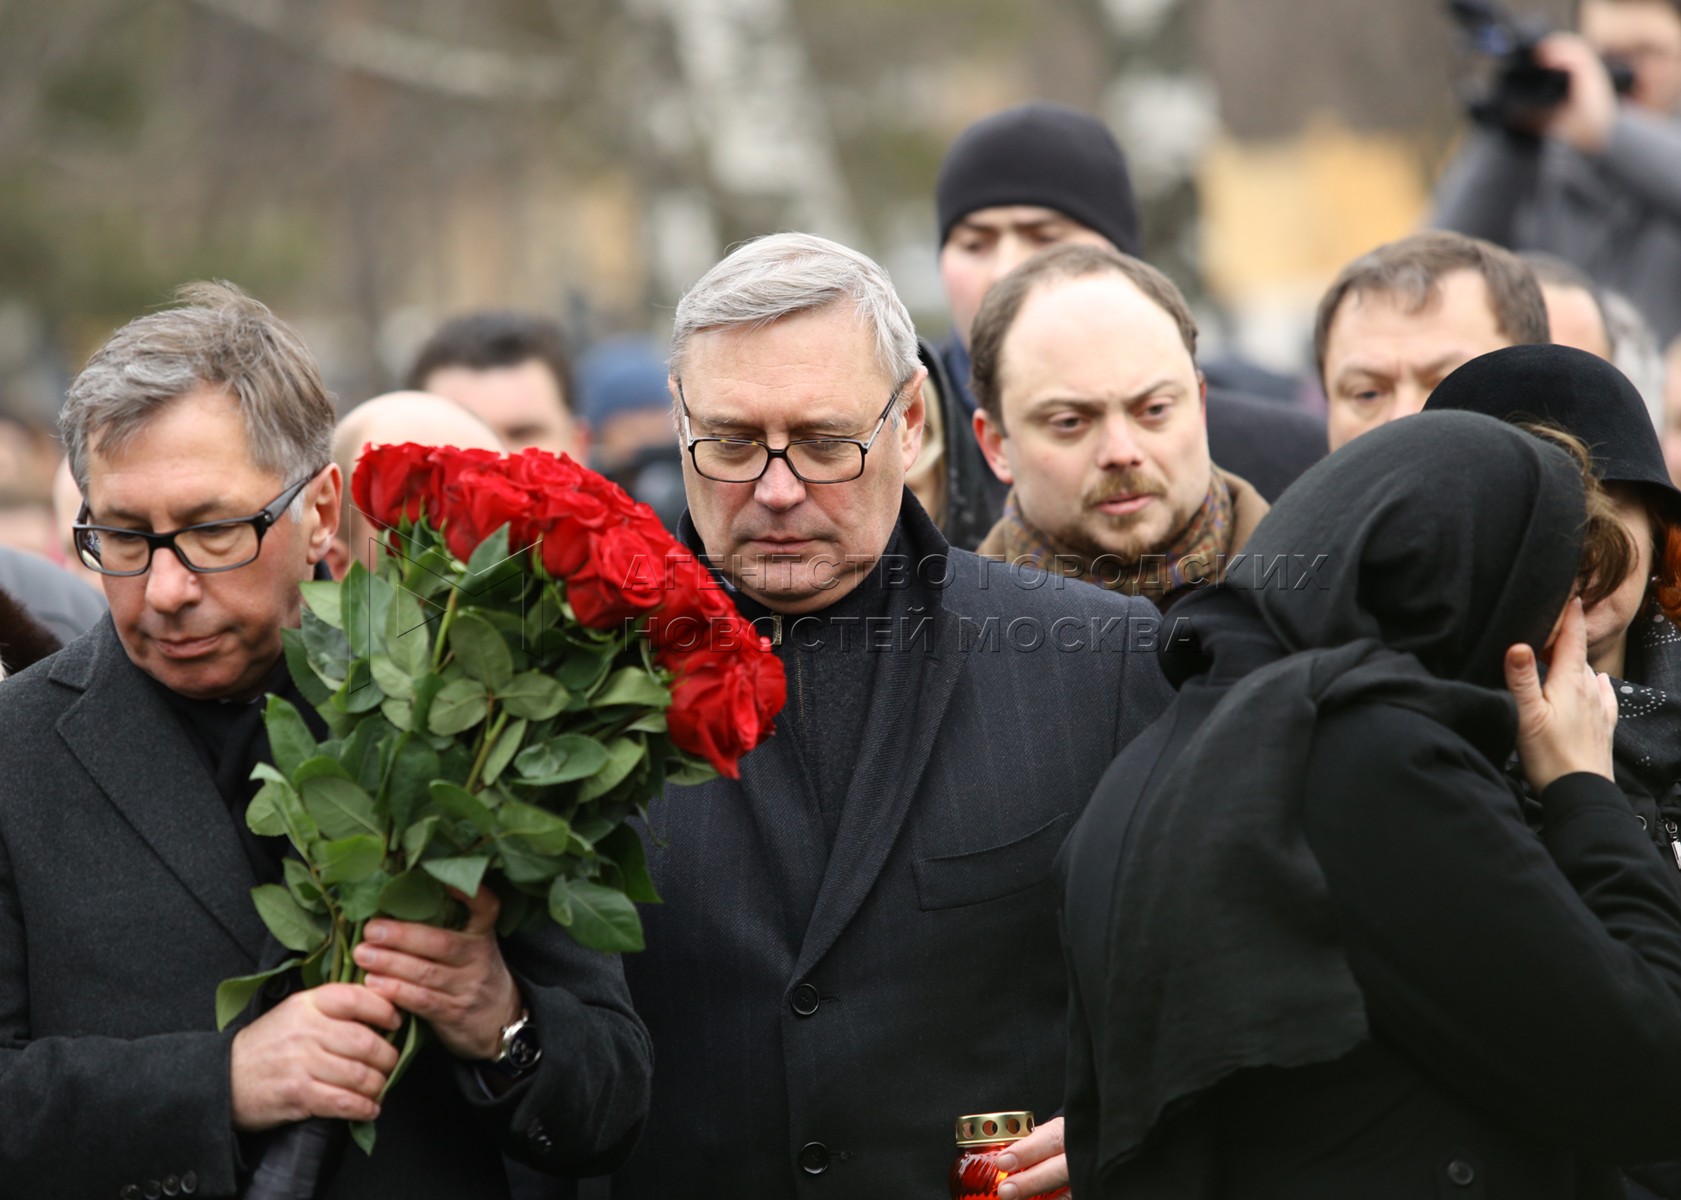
{"x":204,"y":549}
{"x":812,"y":460}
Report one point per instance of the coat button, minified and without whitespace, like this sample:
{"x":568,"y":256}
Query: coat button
{"x":189,"y":1183}
{"x":1462,"y":1174}
{"x":803,"y":1000}
{"x":129,"y":1192}
{"x":152,"y":1190}
{"x":814,"y":1158}
{"x":172,"y":1185}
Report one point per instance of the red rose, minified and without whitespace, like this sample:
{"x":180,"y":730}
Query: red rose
{"x":622,"y":577}
{"x":697,"y":614}
{"x":448,"y":463}
{"x":391,"y":482}
{"x":480,"y":502}
{"x":725,"y":708}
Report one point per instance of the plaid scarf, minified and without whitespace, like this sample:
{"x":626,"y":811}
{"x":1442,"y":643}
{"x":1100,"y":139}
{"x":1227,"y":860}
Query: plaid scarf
{"x":1194,"y":556}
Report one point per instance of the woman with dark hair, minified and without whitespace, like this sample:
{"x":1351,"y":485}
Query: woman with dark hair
{"x":1632,"y":634}
{"x":1315,"y":951}
{"x":1631,"y":630}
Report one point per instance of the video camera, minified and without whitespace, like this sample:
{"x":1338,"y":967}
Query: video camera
{"x":1521,"y":92}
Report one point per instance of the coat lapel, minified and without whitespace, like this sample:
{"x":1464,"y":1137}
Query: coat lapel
{"x":136,"y":752}
{"x":911,"y":695}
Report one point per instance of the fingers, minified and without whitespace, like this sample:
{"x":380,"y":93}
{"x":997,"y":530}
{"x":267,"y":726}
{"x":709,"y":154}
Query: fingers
{"x":482,"y":910}
{"x":1042,"y":1143}
{"x":1607,"y":698}
{"x":1036,"y":1163}
{"x":1571,"y":646}
{"x":1523,"y":680}
{"x":314,"y":1054}
{"x":346,"y":1002}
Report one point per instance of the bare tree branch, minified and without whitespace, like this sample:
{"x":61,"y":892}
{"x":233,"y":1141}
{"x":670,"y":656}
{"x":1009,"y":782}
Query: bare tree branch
{"x":466,"y":72}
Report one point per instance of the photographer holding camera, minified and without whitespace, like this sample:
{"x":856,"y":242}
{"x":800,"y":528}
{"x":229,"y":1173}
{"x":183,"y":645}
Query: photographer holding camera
{"x":1578,"y":150}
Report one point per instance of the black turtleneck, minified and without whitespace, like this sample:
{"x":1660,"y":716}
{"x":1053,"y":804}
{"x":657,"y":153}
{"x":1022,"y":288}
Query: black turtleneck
{"x":830,"y":656}
{"x":230,"y":740}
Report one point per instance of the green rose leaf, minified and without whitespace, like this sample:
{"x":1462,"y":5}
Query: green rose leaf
{"x":457,"y":707}
{"x":624,"y":847}
{"x":490,"y":563}
{"x":408,"y":637}
{"x":624,"y":755}
{"x":303,"y":887}
{"x":291,"y":925}
{"x":395,"y":681}
{"x":326,"y":648}
{"x":366,"y":601}
{"x":340,"y":807}
{"x":413,"y":896}
{"x":419,"y":835}
{"x":532,"y":694}
{"x":359,"y":901}
{"x":362,"y":1133}
{"x":289,"y":738}
{"x":458,"y":804}
{"x":560,"y":760}
{"x":462,"y":874}
{"x":262,"y":815}
{"x":540,"y":829}
{"x":413,"y":768}
{"x":414,"y":1035}
{"x":350,"y":859}
{"x":311,"y":686}
{"x":583,"y":666}
{"x":600,"y":917}
{"x":502,"y":753}
{"x":481,"y":650}
{"x":686,"y":772}
{"x":323,"y":599}
{"x":522,"y":866}
{"x":632,"y":685}
{"x":426,"y":689}
{"x":297,"y":824}
{"x":399,"y":712}
{"x":232,"y":995}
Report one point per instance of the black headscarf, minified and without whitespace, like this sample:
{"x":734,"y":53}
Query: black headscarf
{"x":1445,"y":538}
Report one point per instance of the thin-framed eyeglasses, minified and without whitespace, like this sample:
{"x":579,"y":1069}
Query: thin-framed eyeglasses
{"x":812,"y":460}
{"x":205,"y":549}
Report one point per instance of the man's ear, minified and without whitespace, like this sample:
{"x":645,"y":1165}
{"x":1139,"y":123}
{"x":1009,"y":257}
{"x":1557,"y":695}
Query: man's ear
{"x":321,"y":518}
{"x":1202,"y":392}
{"x":990,"y":434}
{"x":913,"y":419}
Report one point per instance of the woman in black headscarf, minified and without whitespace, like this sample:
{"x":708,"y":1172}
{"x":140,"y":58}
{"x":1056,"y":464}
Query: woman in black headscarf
{"x":1314,"y":949}
{"x":1632,"y":634}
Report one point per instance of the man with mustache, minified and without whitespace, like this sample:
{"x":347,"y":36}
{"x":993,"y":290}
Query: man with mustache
{"x":1093,"y":411}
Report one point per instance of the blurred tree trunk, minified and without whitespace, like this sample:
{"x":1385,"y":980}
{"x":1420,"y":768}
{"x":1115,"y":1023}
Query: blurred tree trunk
{"x":1163,"y":110}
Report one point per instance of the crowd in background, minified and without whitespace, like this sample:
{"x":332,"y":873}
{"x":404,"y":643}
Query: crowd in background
{"x":1393,"y":585}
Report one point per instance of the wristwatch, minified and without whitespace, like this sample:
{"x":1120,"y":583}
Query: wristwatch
{"x":520,"y":1051}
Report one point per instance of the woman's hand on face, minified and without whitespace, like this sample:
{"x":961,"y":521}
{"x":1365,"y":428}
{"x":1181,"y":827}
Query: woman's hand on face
{"x":1564,"y":726}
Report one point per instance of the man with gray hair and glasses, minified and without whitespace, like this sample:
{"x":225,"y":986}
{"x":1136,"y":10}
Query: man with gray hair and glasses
{"x":200,"y":437}
{"x":857,"y":944}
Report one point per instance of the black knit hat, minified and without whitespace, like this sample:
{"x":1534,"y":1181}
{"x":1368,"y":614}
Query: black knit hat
{"x":1043,"y":154}
{"x":1579,"y":392}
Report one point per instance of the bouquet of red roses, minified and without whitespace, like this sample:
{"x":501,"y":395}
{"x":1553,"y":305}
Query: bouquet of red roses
{"x":532,"y":661}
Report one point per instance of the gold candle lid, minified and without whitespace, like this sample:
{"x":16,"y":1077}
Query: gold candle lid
{"x":990,"y":1129}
